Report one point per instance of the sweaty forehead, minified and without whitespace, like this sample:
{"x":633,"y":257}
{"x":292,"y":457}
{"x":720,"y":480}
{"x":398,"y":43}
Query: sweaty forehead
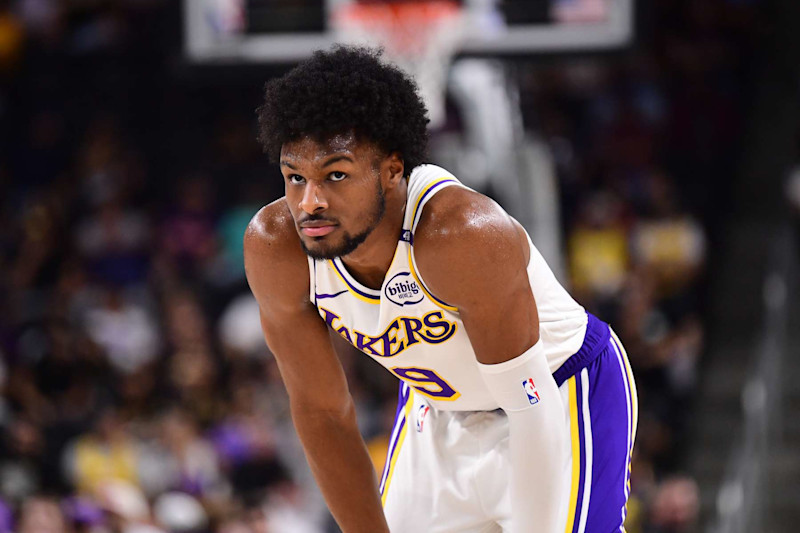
{"x":310,"y":150}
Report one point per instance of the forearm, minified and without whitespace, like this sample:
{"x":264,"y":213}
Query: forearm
{"x":341,"y":466}
{"x":537,"y":440}
{"x":537,"y":450}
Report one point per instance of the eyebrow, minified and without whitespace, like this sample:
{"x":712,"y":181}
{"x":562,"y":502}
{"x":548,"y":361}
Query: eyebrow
{"x":336,"y":159}
{"x":332,"y":160}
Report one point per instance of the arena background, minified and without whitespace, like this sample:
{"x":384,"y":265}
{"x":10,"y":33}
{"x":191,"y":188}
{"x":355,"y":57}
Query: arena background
{"x":137,"y":392}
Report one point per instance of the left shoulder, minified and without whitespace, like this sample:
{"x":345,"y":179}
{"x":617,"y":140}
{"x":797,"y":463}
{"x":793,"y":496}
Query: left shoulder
{"x":459,"y":217}
{"x":462,"y":235}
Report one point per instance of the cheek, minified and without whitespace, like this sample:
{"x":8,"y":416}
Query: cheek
{"x":293,"y":201}
{"x":294,"y":195}
{"x":363,"y":194}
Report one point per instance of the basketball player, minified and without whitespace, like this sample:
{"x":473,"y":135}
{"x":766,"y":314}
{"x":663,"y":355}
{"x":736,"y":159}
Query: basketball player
{"x":517,"y":408}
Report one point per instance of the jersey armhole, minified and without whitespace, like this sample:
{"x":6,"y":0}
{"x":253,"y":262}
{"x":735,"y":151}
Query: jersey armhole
{"x":415,"y":273}
{"x":529,"y":244}
{"x":312,"y":280}
{"x":414,"y":216}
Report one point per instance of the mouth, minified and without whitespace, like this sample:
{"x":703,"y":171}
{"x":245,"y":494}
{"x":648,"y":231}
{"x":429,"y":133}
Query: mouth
{"x":319,"y":231}
{"x":317,"y":228}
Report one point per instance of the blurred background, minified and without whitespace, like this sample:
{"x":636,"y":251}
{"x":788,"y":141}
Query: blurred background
{"x":650,"y":147}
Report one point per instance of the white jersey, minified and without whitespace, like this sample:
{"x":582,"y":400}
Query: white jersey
{"x":420,"y":338}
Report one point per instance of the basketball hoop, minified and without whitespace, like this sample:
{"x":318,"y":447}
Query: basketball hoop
{"x":420,"y":37}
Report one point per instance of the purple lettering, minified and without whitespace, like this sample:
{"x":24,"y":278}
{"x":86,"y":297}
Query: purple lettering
{"x":448,"y":328}
{"x":389,"y":340}
{"x":344,"y":332}
{"x":329,"y":317}
{"x":413,"y":327}
{"x":364,"y":343}
{"x":403,"y":332}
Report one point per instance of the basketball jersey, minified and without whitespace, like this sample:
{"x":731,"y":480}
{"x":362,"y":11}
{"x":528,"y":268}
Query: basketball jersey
{"x":417,"y":336}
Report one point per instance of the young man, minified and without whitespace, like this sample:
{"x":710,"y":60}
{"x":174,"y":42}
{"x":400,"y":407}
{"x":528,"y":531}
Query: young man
{"x":517,"y":409}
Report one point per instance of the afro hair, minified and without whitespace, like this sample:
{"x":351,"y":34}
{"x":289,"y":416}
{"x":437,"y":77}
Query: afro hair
{"x":346,"y":89}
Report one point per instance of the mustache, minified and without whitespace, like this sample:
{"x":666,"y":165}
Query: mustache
{"x":316,"y":218}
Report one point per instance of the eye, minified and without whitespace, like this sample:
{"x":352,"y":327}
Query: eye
{"x":296,"y":179}
{"x":337,"y":176}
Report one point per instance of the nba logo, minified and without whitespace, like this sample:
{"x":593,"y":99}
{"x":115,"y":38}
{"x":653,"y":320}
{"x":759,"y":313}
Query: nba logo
{"x":421,"y":412}
{"x":530,"y":390}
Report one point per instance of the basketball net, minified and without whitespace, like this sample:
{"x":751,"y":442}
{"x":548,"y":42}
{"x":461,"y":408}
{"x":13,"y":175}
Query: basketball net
{"x":420,"y":37}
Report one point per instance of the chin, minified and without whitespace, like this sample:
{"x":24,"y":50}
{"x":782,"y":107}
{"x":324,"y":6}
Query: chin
{"x":324,"y":248}
{"x":318,"y":250}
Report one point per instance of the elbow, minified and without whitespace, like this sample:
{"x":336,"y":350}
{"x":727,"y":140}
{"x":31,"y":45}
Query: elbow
{"x":323,"y":410}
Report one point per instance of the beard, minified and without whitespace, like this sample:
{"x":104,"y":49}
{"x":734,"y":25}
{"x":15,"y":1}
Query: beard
{"x":351,"y":242}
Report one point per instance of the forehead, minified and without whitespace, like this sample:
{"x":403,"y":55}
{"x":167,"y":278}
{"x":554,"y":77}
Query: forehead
{"x":310,"y":150}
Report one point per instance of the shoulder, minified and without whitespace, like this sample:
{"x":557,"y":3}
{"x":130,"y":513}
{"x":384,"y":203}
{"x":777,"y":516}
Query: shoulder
{"x":460,"y":219}
{"x":275,"y":262}
{"x":270,"y":231}
{"x":461,"y":236}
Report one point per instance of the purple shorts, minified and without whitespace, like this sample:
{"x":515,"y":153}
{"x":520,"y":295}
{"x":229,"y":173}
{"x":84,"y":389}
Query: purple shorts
{"x":425,"y":486}
{"x":603,"y":417}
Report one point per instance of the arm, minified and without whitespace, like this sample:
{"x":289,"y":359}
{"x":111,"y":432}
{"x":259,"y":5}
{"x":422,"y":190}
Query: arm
{"x":321,"y":405}
{"x":474,"y":256}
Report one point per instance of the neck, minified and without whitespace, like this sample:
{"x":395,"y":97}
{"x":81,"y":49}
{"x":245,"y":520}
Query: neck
{"x":372,"y":259}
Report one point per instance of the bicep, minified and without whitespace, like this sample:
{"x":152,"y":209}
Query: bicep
{"x":480,"y":266}
{"x":500,"y":317}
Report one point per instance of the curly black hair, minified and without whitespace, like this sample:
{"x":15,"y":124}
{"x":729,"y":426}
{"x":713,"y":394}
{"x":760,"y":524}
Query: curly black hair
{"x":342,"y":90}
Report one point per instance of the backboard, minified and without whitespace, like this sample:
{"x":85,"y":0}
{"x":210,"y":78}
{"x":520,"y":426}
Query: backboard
{"x":286,"y":31}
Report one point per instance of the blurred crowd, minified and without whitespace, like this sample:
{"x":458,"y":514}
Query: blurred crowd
{"x":645,"y":147}
{"x":137,"y":392}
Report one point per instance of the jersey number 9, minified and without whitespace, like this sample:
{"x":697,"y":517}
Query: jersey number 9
{"x":427,"y":382}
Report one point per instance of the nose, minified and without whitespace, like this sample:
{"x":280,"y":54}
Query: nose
{"x":313,"y":199}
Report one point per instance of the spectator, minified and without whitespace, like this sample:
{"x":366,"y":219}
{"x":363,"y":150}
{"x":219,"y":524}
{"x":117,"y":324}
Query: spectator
{"x":114,"y":243}
{"x":666,"y":242}
{"x":106,"y":454}
{"x":194,"y":467}
{"x":598,"y":251}
{"x":188,"y":231}
{"x":124,"y":330}
{"x":42,"y":514}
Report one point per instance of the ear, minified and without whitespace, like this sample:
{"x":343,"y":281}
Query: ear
{"x":393,"y":170}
